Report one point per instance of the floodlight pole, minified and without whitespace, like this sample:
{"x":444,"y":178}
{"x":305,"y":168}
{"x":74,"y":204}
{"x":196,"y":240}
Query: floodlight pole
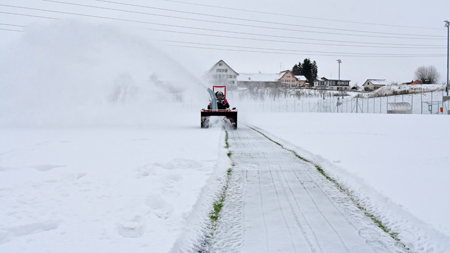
{"x":339,"y":76}
{"x":447,"y":24}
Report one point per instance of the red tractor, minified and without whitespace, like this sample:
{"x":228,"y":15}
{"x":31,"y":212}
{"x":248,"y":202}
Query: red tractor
{"x":219,"y":106}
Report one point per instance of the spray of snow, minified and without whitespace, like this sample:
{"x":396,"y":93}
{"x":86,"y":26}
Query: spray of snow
{"x":75,"y":73}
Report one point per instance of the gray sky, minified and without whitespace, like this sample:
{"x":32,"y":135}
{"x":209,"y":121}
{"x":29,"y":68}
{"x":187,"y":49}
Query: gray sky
{"x":374,"y":39}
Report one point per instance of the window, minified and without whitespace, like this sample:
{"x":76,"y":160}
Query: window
{"x":231,"y":82}
{"x":220,"y":64}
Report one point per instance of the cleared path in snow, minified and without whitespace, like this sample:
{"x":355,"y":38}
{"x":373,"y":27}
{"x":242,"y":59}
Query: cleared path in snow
{"x":277,"y":202}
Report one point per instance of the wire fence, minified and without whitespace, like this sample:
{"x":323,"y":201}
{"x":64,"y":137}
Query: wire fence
{"x":419,"y":103}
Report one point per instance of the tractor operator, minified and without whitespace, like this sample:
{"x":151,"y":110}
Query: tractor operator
{"x":222,"y":102}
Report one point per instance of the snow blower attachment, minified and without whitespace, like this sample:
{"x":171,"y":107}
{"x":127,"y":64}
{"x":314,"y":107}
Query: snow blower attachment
{"x":218,"y":107}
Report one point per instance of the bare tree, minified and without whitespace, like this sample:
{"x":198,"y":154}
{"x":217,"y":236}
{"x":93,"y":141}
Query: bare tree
{"x":427,"y":75}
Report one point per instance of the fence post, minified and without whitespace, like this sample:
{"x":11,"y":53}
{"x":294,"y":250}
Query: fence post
{"x":368,"y":104}
{"x":387,"y":102}
{"x":351,"y":105}
{"x":346,"y":106}
{"x":362,"y":105}
{"x":431,"y":112}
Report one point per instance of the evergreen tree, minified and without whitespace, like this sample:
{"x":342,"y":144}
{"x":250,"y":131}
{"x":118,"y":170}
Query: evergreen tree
{"x":297,"y":69}
{"x":308,"y":69}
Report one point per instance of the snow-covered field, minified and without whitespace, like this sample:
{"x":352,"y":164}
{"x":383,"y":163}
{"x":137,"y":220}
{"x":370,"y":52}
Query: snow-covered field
{"x":97,"y":156}
{"x":101,"y":189}
{"x":116,"y":189}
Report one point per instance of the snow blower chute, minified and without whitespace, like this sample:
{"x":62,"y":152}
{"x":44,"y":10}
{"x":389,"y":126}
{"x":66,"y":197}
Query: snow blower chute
{"x":219,"y":107}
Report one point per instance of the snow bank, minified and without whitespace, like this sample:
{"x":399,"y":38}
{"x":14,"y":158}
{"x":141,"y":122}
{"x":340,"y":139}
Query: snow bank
{"x":390,"y":90}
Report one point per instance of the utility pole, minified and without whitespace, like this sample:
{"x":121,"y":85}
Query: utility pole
{"x":447,"y":24}
{"x":339,"y":79}
{"x":339,"y":74}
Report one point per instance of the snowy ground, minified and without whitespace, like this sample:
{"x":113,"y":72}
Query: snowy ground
{"x":116,"y":189}
{"x":101,"y":189}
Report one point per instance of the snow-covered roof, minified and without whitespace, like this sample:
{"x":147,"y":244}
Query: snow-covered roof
{"x":223,"y":62}
{"x":301,"y":78}
{"x":259,"y":77}
{"x":378,"y":81}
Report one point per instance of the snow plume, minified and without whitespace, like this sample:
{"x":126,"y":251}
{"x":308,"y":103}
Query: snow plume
{"x":75,"y":73}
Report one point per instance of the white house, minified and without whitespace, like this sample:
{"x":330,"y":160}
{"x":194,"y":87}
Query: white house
{"x":222,"y":74}
{"x":374,"y":84}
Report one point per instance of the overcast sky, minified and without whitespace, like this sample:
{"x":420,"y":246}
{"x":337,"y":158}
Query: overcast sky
{"x":385,"y":39}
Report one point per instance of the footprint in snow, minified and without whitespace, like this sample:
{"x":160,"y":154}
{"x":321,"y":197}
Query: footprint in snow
{"x":159,"y":207}
{"x":369,"y":234}
{"x":133,"y":228}
{"x":33,"y":228}
{"x":47,"y":167}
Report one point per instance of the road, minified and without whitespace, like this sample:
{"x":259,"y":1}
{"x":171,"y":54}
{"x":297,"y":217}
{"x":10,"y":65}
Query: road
{"x":276,"y":202}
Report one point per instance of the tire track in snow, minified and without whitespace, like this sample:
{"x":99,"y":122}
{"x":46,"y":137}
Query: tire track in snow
{"x":312,"y":245}
{"x":262,"y":211}
{"x":286,"y":205}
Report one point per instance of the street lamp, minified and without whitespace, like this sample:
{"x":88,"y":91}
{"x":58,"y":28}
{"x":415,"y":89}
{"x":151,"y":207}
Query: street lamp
{"x":447,"y":24}
{"x":339,"y":76}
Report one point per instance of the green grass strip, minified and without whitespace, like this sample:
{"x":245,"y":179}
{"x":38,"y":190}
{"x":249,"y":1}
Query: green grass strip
{"x":218,"y":204}
{"x":375,"y":220}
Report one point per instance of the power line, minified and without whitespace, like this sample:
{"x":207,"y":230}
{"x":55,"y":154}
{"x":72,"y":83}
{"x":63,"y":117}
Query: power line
{"x":272,"y":40}
{"x":304,"y":17}
{"x":246,"y":25}
{"x":289,"y":37}
{"x":234,"y":37}
{"x":251,"y":20}
{"x":247,"y":51}
{"x":34,"y":16}
{"x":286,"y":51}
